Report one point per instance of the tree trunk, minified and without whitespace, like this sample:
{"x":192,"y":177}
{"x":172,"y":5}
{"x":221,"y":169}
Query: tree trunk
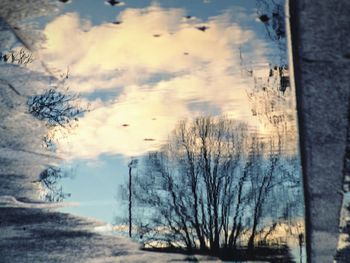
{"x":252,"y":236}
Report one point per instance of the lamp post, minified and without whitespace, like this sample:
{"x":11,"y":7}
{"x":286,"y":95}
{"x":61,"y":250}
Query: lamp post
{"x":131,"y":165}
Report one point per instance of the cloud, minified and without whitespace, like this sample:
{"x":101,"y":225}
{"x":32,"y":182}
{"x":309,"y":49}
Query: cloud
{"x":129,"y":53}
{"x":134,"y":124}
{"x":161,"y":68}
{"x":143,"y":116}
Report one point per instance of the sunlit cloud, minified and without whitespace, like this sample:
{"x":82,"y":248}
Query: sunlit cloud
{"x":137,"y":122}
{"x":130,"y":51}
{"x":162,"y":69}
{"x":143,"y":116}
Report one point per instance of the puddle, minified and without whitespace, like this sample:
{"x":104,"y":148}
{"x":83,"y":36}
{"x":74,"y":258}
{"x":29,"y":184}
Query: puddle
{"x":172,"y":121}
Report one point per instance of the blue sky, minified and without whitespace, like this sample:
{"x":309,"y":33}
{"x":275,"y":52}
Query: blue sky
{"x":95,"y":185}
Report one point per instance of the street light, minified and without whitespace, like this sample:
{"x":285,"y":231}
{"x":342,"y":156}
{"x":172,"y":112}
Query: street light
{"x":131,"y":165}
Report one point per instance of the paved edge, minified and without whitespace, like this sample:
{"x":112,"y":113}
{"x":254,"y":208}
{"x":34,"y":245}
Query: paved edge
{"x":320,"y":44}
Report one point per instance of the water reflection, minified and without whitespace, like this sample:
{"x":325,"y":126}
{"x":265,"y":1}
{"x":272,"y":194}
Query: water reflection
{"x":214,"y":187}
{"x":50,"y":178}
{"x":185,"y":113}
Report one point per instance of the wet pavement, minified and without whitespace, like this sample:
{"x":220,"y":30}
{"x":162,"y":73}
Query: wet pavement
{"x":41,"y":235}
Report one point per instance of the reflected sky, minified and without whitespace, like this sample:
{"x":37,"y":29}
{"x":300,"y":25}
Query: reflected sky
{"x":160,"y":67}
{"x":143,"y":66}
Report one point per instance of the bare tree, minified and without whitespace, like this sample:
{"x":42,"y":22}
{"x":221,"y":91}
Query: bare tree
{"x":194,"y":187}
{"x":262,"y":174}
{"x":55,"y":107}
{"x":210,"y":184}
{"x":50,"y":178}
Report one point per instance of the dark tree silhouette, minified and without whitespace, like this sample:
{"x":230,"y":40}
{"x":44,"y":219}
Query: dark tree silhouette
{"x":207,"y":187}
{"x":50,"y":178}
{"x":59,"y":108}
{"x":54,"y":107}
{"x":262,"y":177}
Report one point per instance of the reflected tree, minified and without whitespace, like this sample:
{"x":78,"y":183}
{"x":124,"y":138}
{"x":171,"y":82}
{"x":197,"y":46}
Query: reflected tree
{"x":273,"y":103}
{"x":20,"y":40}
{"x":190,"y":183}
{"x":60,"y":110}
{"x":262,"y":175}
{"x":55,"y":107}
{"x":208,"y":188}
{"x":272,"y":99}
{"x":50,"y":178}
